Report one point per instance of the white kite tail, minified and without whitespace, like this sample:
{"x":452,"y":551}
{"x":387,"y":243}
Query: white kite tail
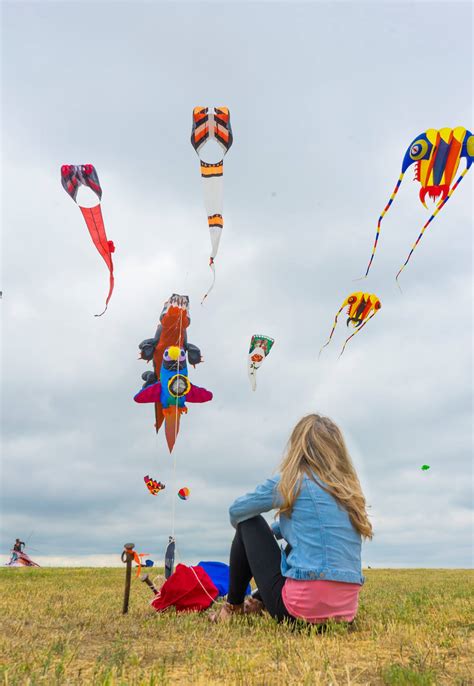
{"x":253,"y":377}
{"x":212,"y":176}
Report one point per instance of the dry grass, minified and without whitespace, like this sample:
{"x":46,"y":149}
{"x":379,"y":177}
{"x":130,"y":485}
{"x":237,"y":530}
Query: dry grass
{"x":64,"y":626}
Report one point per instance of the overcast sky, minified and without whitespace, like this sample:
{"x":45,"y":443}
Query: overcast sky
{"x":325,"y":97}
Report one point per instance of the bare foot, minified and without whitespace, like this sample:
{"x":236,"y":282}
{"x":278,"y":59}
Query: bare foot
{"x":226,"y":612}
{"x":253,"y":606}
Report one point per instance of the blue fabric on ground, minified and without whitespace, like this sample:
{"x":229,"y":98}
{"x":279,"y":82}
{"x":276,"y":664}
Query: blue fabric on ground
{"x":219,"y":573}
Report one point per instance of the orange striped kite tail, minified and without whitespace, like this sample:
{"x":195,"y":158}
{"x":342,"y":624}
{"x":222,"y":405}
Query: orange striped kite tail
{"x":356,"y":332}
{"x":333,"y":328}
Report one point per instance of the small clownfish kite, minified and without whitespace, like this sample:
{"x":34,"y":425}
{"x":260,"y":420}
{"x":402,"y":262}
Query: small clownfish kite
{"x":72,"y":177}
{"x":361,"y":307}
{"x":436,"y":155}
{"x":212,"y":123}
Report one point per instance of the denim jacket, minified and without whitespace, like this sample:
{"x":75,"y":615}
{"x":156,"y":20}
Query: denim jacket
{"x":324,"y":544}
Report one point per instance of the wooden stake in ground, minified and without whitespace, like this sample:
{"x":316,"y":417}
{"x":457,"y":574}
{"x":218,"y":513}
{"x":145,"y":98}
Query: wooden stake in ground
{"x":146,"y":579}
{"x":127,"y":557}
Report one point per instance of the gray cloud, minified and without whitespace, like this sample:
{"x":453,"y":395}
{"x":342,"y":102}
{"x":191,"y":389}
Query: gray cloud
{"x":325,"y":98}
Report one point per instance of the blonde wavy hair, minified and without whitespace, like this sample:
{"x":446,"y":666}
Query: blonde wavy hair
{"x":317,"y":447}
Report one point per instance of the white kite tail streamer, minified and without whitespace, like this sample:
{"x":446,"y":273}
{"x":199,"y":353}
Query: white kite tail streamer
{"x":213,"y":181}
{"x":213,"y":268}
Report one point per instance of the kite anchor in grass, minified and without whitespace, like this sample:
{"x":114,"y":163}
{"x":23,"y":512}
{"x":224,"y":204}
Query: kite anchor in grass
{"x":168,"y":386}
{"x":212,"y":124}
{"x":436,"y":155}
{"x":361,"y":307}
{"x":72,"y":177}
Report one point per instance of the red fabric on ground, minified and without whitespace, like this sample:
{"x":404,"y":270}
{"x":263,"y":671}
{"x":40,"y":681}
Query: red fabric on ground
{"x":185,"y":592}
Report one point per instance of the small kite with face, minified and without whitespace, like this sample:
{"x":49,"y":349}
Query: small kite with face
{"x":361,"y":307}
{"x":260,"y":347}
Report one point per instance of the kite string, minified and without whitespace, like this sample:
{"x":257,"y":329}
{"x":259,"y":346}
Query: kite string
{"x":197,"y":577}
{"x":173,"y":504}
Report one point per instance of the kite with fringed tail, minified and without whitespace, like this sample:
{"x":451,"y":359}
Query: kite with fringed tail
{"x":436,"y":155}
{"x":212,"y":123}
{"x":72,"y":177}
{"x":361,"y":307}
{"x":168,"y":386}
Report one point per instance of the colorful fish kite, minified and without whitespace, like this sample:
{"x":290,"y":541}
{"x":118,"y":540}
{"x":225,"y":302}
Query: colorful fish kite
{"x":168,"y":386}
{"x":184,"y":493}
{"x":212,"y":124}
{"x":153,"y":486}
{"x":361,"y":307}
{"x":260,"y":347}
{"x":73,"y":176}
{"x":436,"y":155}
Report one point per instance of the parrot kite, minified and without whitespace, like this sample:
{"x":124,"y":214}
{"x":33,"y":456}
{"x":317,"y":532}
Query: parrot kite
{"x":168,"y":386}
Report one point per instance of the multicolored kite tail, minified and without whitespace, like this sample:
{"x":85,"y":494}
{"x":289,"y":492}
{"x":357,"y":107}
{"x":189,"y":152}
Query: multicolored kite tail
{"x":387,"y":207}
{"x":438,"y":209}
{"x":356,"y":332}
{"x":333,"y":328}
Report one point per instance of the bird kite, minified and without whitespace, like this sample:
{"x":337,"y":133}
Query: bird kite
{"x":184,"y":493}
{"x":425,"y":467}
{"x":153,"y":486}
{"x":260,"y":347}
{"x":212,"y":123}
{"x":72,"y":177}
{"x":436,"y":155}
{"x":361,"y":307}
{"x":168,"y":386}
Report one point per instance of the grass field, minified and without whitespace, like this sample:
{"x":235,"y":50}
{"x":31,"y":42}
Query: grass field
{"x":64,"y":626}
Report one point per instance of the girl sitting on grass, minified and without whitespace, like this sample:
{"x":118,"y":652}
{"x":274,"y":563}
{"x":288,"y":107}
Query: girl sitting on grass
{"x":322,"y":517}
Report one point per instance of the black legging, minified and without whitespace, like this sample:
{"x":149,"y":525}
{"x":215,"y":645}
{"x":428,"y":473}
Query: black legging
{"x":255,"y":554}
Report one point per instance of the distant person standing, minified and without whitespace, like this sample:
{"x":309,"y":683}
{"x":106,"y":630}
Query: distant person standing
{"x":19,"y":545}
